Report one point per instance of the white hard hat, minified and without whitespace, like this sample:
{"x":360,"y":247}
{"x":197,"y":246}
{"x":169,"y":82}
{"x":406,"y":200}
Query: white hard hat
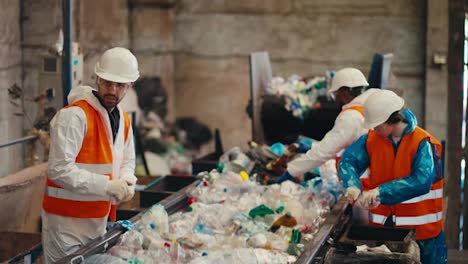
{"x":379,"y":106}
{"x":347,"y":77}
{"x":117,"y":65}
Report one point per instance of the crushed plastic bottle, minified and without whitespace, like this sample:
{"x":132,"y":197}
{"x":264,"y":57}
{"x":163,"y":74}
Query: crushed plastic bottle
{"x":236,"y":161}
{"x":156,"y":219}
{"x":261,"y":211}
{"x":285,"y":220}
{"x":103,"y":258}
{"x":305,"y":143}
{"x":132,"y":239}
{"x":278,"y":149}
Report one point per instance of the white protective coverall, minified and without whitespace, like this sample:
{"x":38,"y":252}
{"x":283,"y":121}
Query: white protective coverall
{"x":347,"y":128}
{"x":61,"y":235}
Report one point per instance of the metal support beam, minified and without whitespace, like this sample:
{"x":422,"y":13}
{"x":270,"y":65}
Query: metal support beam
{"x":67,"y":48}
{"x":455,"y":108}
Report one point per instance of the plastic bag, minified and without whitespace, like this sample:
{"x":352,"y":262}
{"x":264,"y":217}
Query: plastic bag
{"x":234,"y":160}
{"x":152,"y":240}
{"x":132,"y":239}
{"x":155,"y":218}
{"x":181,"y":225}
{"x":244,"y":256}
{"x":103,"y":258}
{"x":123,"y":252}
{"x":151,"y":256}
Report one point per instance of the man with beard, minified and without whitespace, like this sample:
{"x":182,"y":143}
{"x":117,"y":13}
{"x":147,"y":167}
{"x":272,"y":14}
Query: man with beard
{"x":92,"y":158}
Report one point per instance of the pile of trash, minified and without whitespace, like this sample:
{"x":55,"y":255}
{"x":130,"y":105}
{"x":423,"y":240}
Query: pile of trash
{"x":266,"y":163}
{"x":231,"y":219}
{"x":300,"y":94}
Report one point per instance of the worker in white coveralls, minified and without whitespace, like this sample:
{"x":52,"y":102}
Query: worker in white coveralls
{"x":92,"y":158}
{"x":347,"y":88}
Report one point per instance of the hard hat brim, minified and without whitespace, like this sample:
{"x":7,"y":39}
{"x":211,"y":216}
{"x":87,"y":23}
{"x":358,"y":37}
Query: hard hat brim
{"x":115,"y":78}
{"x":368,"y":125}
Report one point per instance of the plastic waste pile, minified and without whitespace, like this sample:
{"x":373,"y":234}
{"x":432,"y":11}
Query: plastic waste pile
{"x":265,"y":163}
{"x":300,"y":94}
{"x":327,"y":186}
{"x":231,"y":218}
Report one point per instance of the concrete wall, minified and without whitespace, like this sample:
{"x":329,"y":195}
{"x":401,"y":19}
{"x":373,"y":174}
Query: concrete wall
{"x":152,"y":41}
{"x":436,"y":75}
{"x":101,"y":25}
{"x":200,"y":48}
{"x":147,"y":31}
{"x":10,"y":74}
{"x":41,"y":23}
{"x":214,"y":38}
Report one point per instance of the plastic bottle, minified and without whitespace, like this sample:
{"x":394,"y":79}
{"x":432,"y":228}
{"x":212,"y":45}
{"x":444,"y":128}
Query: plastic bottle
{"x":305,"y":143}
{"x":235,"y":160}
{"x":261,"y":211}
{"x":285,"y":220}
{"x":278,"y":166}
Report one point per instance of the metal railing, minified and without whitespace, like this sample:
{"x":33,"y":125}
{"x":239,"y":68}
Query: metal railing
{"x":18,"y":141}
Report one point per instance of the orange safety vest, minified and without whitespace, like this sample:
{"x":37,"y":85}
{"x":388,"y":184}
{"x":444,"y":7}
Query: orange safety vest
{"x":424,"y":213}
{"x":95,"y":156}
{"x":364,"y":180}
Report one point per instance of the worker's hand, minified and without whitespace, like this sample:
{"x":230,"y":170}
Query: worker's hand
{"x":129,"y":194}
{"x":285,"y":177}
{"x":352,"y":193}
{"x":130,"y":179}
{"x":369,"y":199}
{"x":117,"y":188}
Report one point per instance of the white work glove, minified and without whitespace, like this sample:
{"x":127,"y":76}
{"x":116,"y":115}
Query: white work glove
{"x":131,"y":182}
{"x":130,"y":179}
{"x":369,"y":199}
{"x":129,"y":194}
{"x":352,"y":193}
{"x":117,"y":189}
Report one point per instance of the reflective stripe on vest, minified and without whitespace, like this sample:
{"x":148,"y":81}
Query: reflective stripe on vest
{"x":417,"y":220}
{"x":407,"y":220}
{"x":96,"y":168}
{"x":65,"y":194}
{"x":433,"y":194}
{"x":377,"y":219}
{"x":424,"y":213}
{"x":94,"y":156}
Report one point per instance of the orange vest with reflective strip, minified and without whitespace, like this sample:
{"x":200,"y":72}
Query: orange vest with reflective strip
{"x":364,"y":181}
{"x":95,"y":156}
{"x":424,"y":213}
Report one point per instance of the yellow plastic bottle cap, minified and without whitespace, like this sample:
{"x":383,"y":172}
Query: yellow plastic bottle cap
{"x":244,"y":175}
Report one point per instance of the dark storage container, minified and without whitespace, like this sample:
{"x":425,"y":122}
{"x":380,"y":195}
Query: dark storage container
{"x":210,"y":161}
{"x":171,"y":184}
{"x":159,"y":189}
{"x":125,"y":214}
{"x":128,"y":209}
{"x":205,"y":163}
{"x":16,"y":247}
{"x":163,"y":189}
{"x":149,"y":198}
{"x":400,"y":241}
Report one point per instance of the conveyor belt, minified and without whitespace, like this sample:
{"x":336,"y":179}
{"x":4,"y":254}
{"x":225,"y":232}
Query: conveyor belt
{"x":314,"y":250}
{"x":332,"y":228}
{"x":172,"y":204}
